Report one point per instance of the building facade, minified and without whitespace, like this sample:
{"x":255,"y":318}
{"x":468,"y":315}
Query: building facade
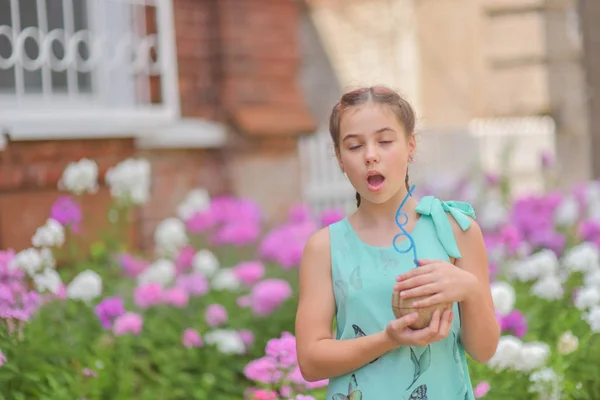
{"x":214,"y":93}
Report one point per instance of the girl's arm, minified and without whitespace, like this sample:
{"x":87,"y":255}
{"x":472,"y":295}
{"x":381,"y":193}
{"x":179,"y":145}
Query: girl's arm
{"x":321,"y":356}
{"x":480,"y":329}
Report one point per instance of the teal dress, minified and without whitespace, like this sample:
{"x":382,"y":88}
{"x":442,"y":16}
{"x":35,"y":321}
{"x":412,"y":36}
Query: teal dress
{"x":363,"y":279}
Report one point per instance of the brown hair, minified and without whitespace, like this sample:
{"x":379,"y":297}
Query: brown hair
{"x":378,"y":95}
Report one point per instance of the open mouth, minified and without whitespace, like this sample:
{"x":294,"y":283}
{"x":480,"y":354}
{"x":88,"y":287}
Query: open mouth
{"x":375,"y":181}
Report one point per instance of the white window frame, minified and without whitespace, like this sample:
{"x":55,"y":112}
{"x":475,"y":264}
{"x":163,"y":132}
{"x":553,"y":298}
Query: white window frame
{"x":52,"y":116}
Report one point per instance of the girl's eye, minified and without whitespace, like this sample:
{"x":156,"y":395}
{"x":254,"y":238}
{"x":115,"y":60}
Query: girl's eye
{"x":354,"y":147}
{"x":385,"y":141}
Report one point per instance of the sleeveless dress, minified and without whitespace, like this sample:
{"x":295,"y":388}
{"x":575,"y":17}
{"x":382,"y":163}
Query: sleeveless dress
{"x":363,"y":279}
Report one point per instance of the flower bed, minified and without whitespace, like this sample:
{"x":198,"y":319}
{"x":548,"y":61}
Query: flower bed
{"x":209,"y":313}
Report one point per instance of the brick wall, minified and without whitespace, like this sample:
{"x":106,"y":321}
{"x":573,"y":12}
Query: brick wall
{"x":29,"y":174}
{"x":239,"y":63}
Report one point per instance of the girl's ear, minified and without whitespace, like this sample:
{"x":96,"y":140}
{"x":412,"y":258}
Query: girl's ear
{"x":339,"y":160}
{"x":412,"y":144}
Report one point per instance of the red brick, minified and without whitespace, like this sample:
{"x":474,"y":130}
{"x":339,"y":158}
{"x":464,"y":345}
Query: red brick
{"x":17,"y":228}
{"x":11,"y":177}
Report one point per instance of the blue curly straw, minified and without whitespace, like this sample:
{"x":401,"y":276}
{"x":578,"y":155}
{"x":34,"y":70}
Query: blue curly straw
{"x":404,"y":232}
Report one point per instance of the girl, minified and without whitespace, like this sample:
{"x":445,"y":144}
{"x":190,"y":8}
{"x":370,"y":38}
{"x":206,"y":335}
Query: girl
{"x":350,"y":269}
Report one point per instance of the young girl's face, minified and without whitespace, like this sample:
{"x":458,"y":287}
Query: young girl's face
{"x":374,"y":151}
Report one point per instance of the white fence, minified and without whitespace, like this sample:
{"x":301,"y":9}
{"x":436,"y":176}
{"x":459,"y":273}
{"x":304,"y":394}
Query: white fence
{"x":441,"y":155}
{"x":105,"y":61}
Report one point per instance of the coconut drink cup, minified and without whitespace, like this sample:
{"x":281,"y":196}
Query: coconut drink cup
{"x":400,"y":306}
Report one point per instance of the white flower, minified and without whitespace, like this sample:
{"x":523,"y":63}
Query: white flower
{"x":508,"y":353}
{"x":80,"y":177}
{"x":534,"y":355}
{"x":511,"y":353}
{"x":567,"y":343}
{"x":567,"y":213}
{"x":161,"y":271}
{"x":546,"y":383}
{"x":539,"y":264}
{"x":197,"y":200}
{"x":584,"y":258}
{"x":51,"y":234}
{"x":48,"y":260}
{"x":593,"y":319}
{"x":225,"y":279}
{"x":587,"y":297}
{"x":592,"y":279}
{"x":129,"y":181}
{"x":549,"y":288}
{"x":205,"y":262}
{"x":504,"y":297}
{"x":227,"y":341}
{"x":86,"y":286}
{"x":492,"y":214}
{"x":29,"y":260}
{"x":170,"y":236}
{"x":47,"y":280}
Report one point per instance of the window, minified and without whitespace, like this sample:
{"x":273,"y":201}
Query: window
{"x":68,"y":66}
{"x":34,"y":63}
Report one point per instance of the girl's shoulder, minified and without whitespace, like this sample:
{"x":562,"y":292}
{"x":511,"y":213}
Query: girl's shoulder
{"x":454,"y":221}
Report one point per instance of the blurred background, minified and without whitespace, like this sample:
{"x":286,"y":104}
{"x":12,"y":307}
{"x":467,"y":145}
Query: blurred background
{"x":234,"y":96}
{"x":163,"y":162}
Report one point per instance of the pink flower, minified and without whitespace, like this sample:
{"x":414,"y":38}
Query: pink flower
{"x":247,"y":337}
{"x":200,"y":222}
{"x":195,"y":284}
{"x":147,"y":295}
{"x":128,"y":323}
{"x":89,"y":372}
{"x":216,"y":315}
{"x":108,"y":309}
{"x":184,"y":259}
{"x":176,"y":297}
{"x":191,"y":338}
{"x":263,"y":370}
{"x":133,"y":266}
{"x":263,"y":394}
{"x":285,"y":391}
{"x":268,"y":295}
{"x":481,"y":389}
{"x":329,"y":217}
{"x":283,"y":350}
{"x":249,"y":272}
{"x":2,"y":358}
{"x":228,"y":209}
{"x":304,"y":397}
{"x":244,"y":301}
{"x":299,"y":213}
{"x":514,"y":322}
{"x":237,"y":233}
{"x":492,"y":179}
{"x":67,"y":212}
{"x":285,"y":244}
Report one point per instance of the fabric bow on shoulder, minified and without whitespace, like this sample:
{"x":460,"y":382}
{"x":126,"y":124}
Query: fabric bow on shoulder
{"x":437,"y":209}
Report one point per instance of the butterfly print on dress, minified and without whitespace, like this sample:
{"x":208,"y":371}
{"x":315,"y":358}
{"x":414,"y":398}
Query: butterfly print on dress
{"x":360,"y":333}
{"x":354,"y":392}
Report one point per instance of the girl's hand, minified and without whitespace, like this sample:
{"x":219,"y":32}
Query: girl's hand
{"x":441,"y":281}
{"x":399,"y":332}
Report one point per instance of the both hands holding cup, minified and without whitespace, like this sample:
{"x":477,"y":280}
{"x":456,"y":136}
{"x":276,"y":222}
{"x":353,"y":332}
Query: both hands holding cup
{"x":422,"y":302}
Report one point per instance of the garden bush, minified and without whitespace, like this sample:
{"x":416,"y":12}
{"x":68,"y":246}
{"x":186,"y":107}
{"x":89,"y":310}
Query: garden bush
{"x":209,"y":312}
